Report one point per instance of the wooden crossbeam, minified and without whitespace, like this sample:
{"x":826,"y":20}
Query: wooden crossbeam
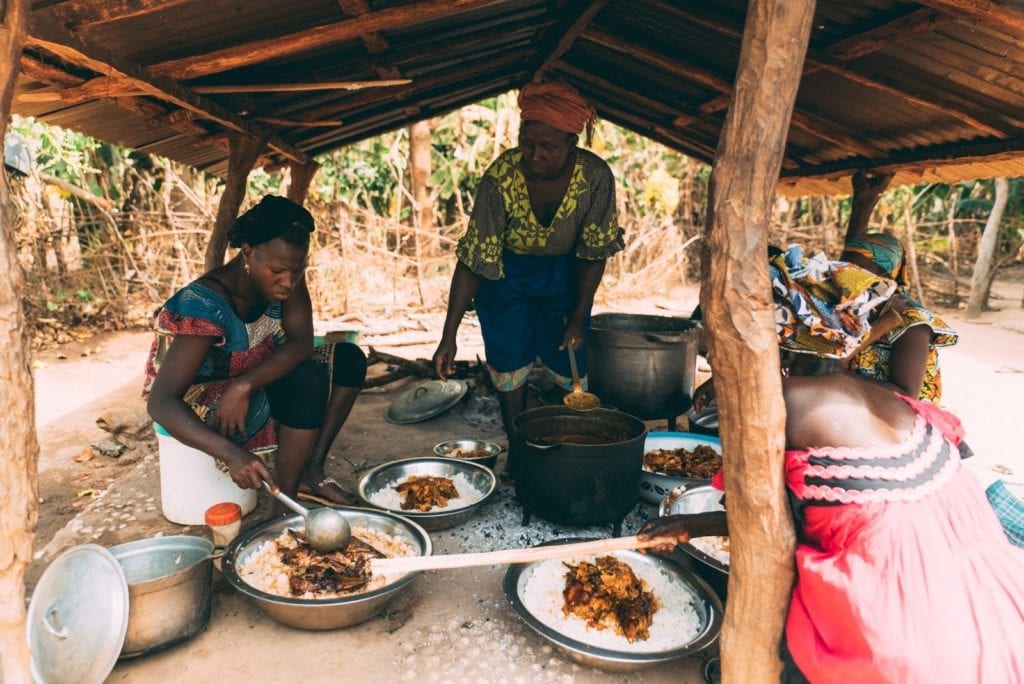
{"x":48,"y":36}
{"x":999,"y":15}
{"x":567,"y":33}
{"x":89,"y":13}
{"x":298,"y":123}
{"x":917,"y":22}
{"x":39,"y":70}
{"x":374,"y":41}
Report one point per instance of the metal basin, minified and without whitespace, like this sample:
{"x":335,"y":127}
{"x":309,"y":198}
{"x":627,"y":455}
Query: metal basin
{"x":706,"y":603}
{"x":324,"y":613}
{"x":697,"y":498}
{"x":643,"y":365}
{"x":387,"y":474}
{"x":168,"y":591}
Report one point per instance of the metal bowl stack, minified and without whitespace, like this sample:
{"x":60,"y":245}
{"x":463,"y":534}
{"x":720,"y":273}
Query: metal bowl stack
{"x":452,"y":449}
{"x":395,"y":472}
{"x":655,"y":486}
{"x":697,"y":498}
{"x":330,"y":613}
{"x":690,"y":587}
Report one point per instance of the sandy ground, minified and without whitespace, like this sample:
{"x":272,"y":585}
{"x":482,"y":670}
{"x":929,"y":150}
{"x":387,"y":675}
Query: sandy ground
{"x":449,"y":626}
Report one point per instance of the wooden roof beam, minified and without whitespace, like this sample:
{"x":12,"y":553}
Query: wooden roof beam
{"x":567,"y":33}
{"x":88,"y":13}
{"x":1000,"y":15}
{"x":920,"y":21}
{"x":55,"y":39}
{"x":39,"y":70}
{"x":374,"y":41}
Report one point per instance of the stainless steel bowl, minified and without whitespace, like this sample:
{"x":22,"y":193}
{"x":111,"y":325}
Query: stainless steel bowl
{"x":655,"y":486}
{"x":697,"y":498}
{"x":709,"y":610}
{"x":390,"y":474}
{"x":446,"y":448}
{"x":324,"y":613}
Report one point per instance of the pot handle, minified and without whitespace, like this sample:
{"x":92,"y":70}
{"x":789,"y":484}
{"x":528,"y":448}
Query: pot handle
{"x":542,"y":444}
{"x":663,"y":339}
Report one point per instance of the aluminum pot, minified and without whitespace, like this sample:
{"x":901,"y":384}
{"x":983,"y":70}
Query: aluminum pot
{"x":643,"y":365}
{"x":697,"y":497}
{"x":578,"y":468}
{"x":168,"y":591}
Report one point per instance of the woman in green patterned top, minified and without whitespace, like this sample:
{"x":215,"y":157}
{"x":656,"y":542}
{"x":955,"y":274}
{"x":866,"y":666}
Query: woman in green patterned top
{"x":542,"y":225}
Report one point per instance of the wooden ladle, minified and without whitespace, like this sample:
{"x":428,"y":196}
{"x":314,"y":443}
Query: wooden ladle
{"x":578,"y":400}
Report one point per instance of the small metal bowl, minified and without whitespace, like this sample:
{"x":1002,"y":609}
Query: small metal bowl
{"x":697,"y":498}
{"x":446,"y":448}
{"x":331,"y":613}
{"x":709,"y":610}
{"x":390,"y":474}
{"x":655,"y":486}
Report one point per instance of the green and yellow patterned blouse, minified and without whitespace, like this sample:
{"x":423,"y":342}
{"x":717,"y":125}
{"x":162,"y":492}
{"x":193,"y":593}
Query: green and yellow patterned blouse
{"x":502,"y":217}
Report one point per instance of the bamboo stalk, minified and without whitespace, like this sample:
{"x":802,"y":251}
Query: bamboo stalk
{"x":510,"y":556}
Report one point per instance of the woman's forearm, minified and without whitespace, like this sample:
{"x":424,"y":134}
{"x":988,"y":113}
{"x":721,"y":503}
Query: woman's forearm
{"x":175,"y":416}
{"x":464,"y":286}
{"x":280,"y":363}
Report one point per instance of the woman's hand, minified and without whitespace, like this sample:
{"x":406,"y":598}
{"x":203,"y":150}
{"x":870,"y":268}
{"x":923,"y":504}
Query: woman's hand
{"x":248,"y":472}
{"x":703,"y":396}
{"x":229,"y":418}
{"x":444,"y":358}
{"x":675,"y":526}
{"x":573,"y":335}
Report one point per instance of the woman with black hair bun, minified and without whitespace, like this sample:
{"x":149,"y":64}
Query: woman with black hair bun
{"x":230,"y":372}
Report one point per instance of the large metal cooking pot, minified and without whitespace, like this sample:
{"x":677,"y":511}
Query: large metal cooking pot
{"x":643,"y":365}
{"x":329,"y":613}
{"x":168,"y":591}
{"x":578,"y":468}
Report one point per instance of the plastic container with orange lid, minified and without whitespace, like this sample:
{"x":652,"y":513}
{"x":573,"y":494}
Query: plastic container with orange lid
{"x":225,"y":521}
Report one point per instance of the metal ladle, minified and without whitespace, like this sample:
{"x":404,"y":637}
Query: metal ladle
{"x":578,"y":400}
{"x":326,"y":529}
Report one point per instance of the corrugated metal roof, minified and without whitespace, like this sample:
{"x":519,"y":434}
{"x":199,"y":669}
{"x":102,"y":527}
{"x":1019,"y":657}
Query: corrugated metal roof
{"x":887,"y":83}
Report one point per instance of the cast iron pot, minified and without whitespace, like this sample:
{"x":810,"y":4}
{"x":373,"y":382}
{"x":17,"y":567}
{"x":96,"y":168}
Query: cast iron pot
{"x":643,"y":365}
{"x":564,"y":480}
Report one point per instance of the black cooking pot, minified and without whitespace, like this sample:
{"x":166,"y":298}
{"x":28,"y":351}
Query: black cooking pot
{"x":578,"y":468}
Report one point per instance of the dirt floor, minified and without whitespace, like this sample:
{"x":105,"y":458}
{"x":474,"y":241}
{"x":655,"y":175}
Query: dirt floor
{"x":449,"y":626}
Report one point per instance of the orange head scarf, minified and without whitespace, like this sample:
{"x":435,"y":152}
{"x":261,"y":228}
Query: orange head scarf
{"x":558,"y":105}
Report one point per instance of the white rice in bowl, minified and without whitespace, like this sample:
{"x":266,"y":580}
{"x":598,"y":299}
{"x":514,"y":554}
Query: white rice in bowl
{"x":387,"y":497}
{"x":674,"y":625}
{"x":264,"y":570}
{"x":716,"y":547}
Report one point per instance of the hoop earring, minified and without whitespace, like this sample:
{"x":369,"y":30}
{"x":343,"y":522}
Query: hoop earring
{"x":246,"y":268}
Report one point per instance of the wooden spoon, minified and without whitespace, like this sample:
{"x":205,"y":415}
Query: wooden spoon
{"x":578,"y":400}
{"x":508,"y":556}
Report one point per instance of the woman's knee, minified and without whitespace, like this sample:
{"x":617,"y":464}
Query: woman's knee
{"x":348,"y":367}
{"x":299,"y":399}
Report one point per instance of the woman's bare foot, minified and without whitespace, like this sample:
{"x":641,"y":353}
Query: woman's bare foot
{"x":326,"y":488}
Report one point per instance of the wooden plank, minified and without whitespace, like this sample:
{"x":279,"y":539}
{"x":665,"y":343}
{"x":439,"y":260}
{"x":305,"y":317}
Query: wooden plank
{"x":740,"y":321}
{"x":307,"y":40}
{"x":46,"y":73}
{"x":19,"y":505}
{"x":1005,"y":16}
{"x":298,"y":87}
{"x":90,"y":13}
{"x":615,"y":91}
{"x":58,"y":41}
{"x":567,"y":33}
{"x":831,"y":131}
{"x":374,"y":41}
{"x":917,"y":22}
{"x":298,"y":123}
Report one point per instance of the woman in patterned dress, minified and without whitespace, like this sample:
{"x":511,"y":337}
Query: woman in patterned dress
{"x":906,"y":356}
{"x":230,"y":371}
{"x":543,"y":223}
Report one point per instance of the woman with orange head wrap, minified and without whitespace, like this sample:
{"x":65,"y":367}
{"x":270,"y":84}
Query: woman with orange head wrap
{"x":543,"y":223}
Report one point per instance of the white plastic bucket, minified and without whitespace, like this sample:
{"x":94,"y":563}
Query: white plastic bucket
{"x":190,"y":482}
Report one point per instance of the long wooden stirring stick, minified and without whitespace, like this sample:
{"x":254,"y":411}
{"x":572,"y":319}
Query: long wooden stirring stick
{"x":508,"y":556}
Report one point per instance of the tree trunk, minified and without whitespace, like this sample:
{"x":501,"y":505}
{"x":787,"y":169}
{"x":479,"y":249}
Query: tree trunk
{"x":419,"y":179}
{"x":18,"y":466}
{"x":242,"y":155}
{"x":867,"y":188}
{"x":301,"y":178}
{"x":736,"y":299}
{"x":985,"y":266}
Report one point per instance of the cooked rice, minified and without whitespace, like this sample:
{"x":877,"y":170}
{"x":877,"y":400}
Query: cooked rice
{"x":716,"y":547}
{"x":387,"y":497}
{"x":264,"y":570}
{"x":675,"y":624}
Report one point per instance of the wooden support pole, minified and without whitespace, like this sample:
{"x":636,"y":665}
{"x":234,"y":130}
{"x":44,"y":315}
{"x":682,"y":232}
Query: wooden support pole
{"x":19,"y":502}
{"x":243,"y":151}
{"x":736,"y":299}
{"x":301,"y":177}
{"x":867,"y":188}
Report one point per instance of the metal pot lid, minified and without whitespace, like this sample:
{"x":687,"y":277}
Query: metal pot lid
{"x":78,"y":617}
{"x":424,"y":400}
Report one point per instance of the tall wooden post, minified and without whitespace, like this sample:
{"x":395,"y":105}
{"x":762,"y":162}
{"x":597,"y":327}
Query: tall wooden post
{"x":243,"y":151}
{"x":867,"y":188}
{"x":302,"y":175}
{"x":19,"y":495}
{"x":736,"y":299}
{"x":419,"y":176}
